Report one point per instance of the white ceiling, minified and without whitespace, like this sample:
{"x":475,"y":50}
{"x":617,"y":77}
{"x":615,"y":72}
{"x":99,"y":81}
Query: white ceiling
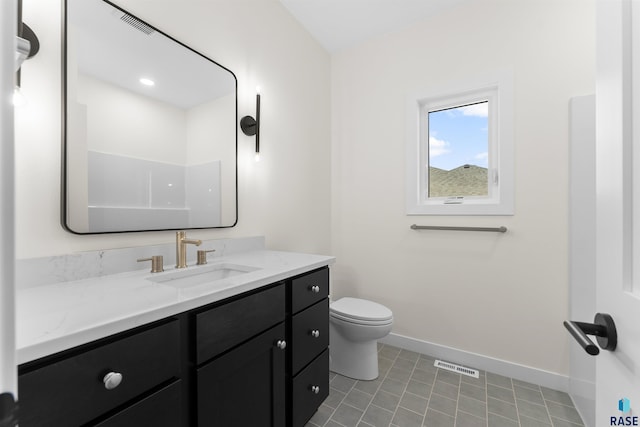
{"x":341,"y":24}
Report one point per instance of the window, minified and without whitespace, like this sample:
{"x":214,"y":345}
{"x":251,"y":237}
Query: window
{"x":457,"y":152}
{"x":460,"y":152}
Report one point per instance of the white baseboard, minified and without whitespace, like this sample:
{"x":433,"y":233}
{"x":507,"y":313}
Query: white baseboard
{"x":478,"y":361}
{"x":583,"y":395}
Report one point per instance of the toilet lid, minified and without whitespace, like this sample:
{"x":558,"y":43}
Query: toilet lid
{"x":360,"y":309}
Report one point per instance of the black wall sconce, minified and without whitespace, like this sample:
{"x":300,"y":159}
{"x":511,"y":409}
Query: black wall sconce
{"x":27,"y":45}
{"x":251,"y":126}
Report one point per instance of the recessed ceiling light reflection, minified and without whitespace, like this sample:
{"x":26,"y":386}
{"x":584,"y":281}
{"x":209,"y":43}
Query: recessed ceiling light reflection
{"x":147,"y":82}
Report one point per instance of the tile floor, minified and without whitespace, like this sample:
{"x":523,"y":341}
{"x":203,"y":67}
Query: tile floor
{"x":410,"y":391}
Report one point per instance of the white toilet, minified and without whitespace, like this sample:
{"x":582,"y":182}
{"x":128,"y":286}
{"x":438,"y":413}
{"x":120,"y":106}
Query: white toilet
{"x":355,"y":326}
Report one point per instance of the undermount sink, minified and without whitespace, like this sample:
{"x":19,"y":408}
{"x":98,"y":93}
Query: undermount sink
{"x":194,"y":276}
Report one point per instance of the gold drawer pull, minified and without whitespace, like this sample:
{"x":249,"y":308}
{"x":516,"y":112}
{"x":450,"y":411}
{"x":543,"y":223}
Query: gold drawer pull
{"x":315,"y":333}
{"x":281,"y":344}
{"x":315,"y":289}
{"x":112,"y":380}
{"x":315,"y":389}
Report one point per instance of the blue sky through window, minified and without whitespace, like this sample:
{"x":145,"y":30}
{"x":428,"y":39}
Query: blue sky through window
{"x":459,"y":136}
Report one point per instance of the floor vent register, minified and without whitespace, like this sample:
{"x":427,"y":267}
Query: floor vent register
{"x":456,"y":368}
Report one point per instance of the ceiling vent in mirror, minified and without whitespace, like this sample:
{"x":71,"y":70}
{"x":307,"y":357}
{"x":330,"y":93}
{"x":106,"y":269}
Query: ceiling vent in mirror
{"x":137,"y":24}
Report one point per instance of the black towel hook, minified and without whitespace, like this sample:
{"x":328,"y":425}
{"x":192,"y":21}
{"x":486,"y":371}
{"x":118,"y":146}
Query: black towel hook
{"x":604,"y":329}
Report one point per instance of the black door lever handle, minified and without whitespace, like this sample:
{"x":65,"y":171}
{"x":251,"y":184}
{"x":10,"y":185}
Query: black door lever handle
{"x":602,"y":327}
{"x":8,"y":410}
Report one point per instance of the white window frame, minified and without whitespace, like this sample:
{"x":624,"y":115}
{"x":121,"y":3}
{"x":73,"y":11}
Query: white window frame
{"x":500,"y":201}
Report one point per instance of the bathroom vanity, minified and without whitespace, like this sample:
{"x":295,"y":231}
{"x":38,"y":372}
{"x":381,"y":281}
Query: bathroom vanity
{"x":253,"y":352}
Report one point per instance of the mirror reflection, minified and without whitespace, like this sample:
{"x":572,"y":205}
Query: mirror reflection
{"x":150,"y":128}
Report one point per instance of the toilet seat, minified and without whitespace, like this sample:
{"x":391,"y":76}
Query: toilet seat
{"x":361,"y":322}
{"x":360,"y":311}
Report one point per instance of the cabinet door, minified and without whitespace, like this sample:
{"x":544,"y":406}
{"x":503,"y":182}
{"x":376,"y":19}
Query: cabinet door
{"x":246,"y":386}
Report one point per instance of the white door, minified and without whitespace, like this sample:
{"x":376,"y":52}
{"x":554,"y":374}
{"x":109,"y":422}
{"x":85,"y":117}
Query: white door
{"x":7,"y":330}
{"x":618,"y":207}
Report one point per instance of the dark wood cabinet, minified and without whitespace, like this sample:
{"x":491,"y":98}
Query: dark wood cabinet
{"x":310,"y":388}
{"x":257,"y":359}
{"x":157,"y":410}
{"x":72,"y":390}
{"x":246,"y":386}
{"x":308,"y":336}
{"x":222,"y":327}
{"x":241,"y":353}
{"x":308,"y":289}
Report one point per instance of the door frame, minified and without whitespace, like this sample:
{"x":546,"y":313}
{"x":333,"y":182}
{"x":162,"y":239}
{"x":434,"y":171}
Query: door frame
{"x":8,"y":373}
{"x":582,"y":249}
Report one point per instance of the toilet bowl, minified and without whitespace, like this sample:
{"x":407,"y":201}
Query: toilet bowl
{"x":355,"y":326}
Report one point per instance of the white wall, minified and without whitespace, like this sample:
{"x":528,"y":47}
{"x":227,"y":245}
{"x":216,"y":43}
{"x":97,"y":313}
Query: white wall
{"x":502,"y":296}
{"x":206,"y":125}
{"x":125,"y":123}
{"x":285,"y":197}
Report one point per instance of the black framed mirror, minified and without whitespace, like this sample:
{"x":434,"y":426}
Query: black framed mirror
{"x":149,"y":127}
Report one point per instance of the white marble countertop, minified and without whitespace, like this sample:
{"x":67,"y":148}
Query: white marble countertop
{"x":59,"y":316}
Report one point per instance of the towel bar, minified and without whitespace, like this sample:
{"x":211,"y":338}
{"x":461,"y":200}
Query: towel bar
{"x":501,"y":229}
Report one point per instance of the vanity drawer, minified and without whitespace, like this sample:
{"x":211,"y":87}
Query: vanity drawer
{"x":223,"y":327}
{"x":72,"y":392}
{"x":309,"y":289}
{"x":161,"y":409}
{"x":309,"y":334}
{"x":305,"y":399}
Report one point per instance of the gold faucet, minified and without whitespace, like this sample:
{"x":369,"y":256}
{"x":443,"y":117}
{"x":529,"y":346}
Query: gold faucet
{"x":181,"y":248}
